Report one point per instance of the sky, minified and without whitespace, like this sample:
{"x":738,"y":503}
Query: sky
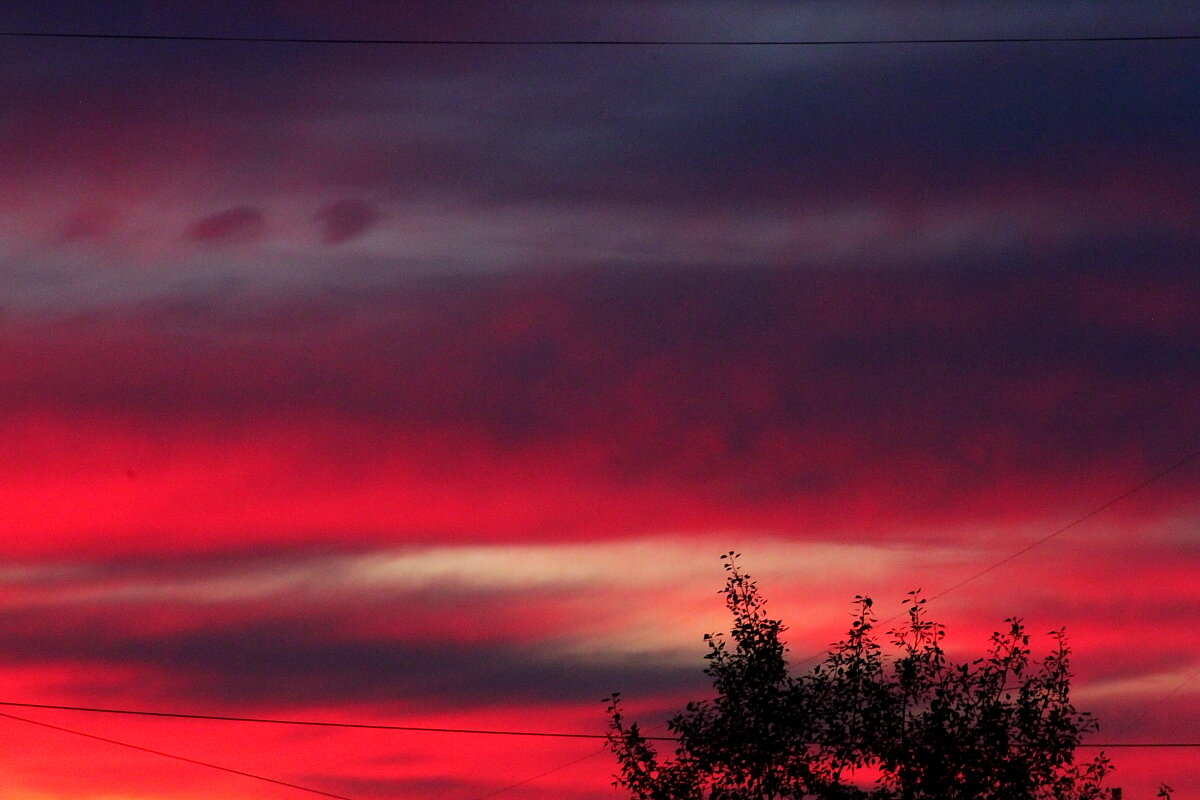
{"x":425,"y":384}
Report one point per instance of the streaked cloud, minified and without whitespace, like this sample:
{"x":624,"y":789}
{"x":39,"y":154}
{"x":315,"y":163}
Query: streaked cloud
{"x":242,"y":224}
{"x":427,"y":383}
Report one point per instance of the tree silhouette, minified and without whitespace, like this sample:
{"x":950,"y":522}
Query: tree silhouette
{"x":862,"y":725}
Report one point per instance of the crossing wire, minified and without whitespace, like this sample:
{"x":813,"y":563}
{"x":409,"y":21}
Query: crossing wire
{"x":1079,"y":521}
{"x":175,"y":756}
{"x":1174,"y":467}
{"x":541,"y":775}
{"x":410,"y":728}
{"x":315,"y":723}
{"x":1145,"y":712}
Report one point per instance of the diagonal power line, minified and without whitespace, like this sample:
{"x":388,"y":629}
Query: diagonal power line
{"x":1180,"y":464}
{"x":1079,"y":521}
{"x":175,"y":756}
{"x":1145,"y":712}
{"x":541,"y":775}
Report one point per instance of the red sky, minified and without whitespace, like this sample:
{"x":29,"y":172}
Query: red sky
{"x":425,"y":385}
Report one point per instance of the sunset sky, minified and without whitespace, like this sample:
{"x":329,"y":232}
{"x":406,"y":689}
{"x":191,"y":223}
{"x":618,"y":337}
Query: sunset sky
{"x":425,"y":384}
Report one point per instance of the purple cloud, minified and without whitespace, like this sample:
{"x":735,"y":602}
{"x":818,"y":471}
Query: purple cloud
{"x":346,"y":220}
{"x":241,"y":224}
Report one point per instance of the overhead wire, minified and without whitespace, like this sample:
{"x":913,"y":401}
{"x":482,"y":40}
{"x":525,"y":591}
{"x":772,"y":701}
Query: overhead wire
{"x":314,"y":723}
{"x":176,"y":756}
{"x":425,"y":729}
{"x":1152,"y":479}
{"x":1147,"y":709}
{"x":453,"y":42}
{"x":1078,"y":521}
{"x":541,"y":775}
{"x":1173,"y":467}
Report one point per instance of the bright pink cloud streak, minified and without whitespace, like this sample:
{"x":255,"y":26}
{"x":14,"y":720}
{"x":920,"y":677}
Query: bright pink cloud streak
{"x":970,"y":621}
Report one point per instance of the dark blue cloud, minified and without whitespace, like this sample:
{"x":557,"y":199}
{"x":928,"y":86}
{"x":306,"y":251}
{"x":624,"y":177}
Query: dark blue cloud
{"x":293,"y":660}
{"x":742,"y":385}
{"x":944,"y":117}
{"x":638,"y":125}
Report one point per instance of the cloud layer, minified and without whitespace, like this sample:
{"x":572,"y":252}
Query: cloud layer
{"x":425,"y":383}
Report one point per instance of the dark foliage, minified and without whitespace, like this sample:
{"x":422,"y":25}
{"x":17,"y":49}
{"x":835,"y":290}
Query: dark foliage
{"x":863,"y":725}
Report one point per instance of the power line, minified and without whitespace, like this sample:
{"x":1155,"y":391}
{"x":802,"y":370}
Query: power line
{"x":1191,"y":676}
{"x":315,"y":723}
{"x":1103,"y":507}
{"x":409,"y":728}
{"x":185,"y":759}
{"x":1037,"y":543}
{"x":600,"y":42}
{"x":541,"y":775}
